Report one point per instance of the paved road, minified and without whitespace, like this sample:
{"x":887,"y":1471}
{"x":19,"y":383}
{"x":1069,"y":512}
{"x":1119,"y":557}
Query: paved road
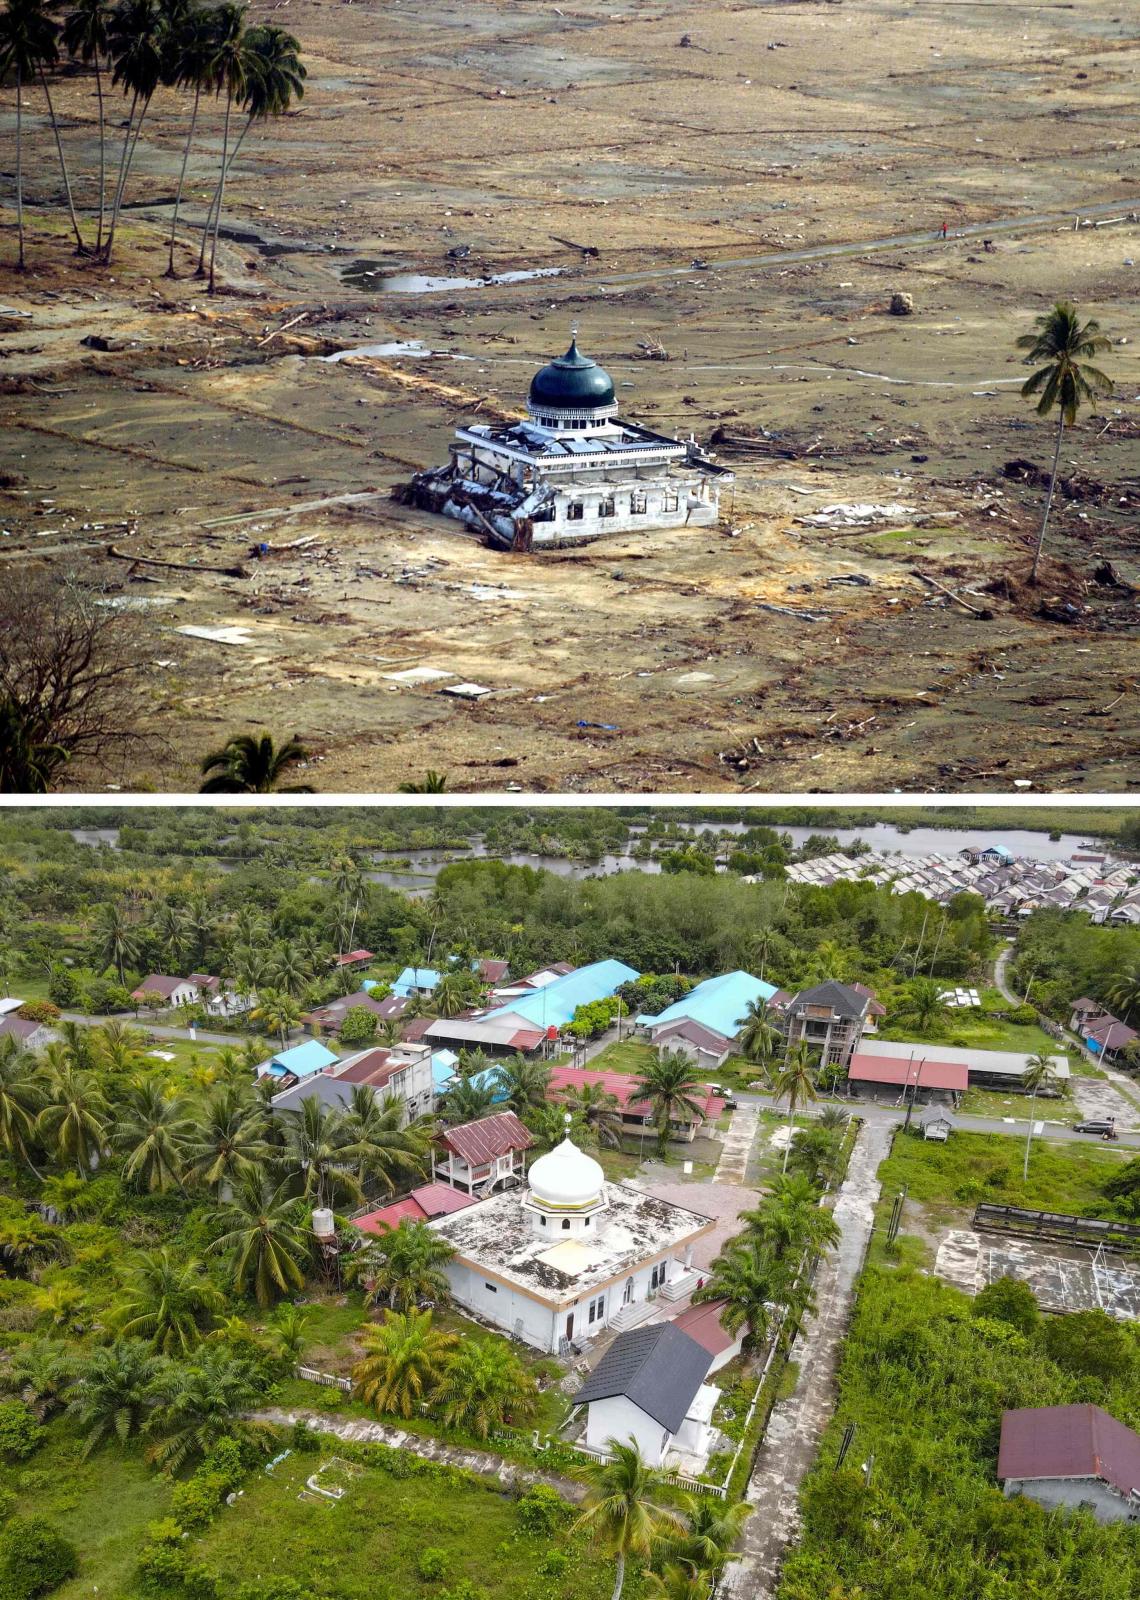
{"x":160,"y":1030}
{"x":797,"y":1424}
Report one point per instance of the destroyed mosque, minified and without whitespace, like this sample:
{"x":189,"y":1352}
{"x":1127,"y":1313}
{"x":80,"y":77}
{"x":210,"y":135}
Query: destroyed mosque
{"x":572,"y":470}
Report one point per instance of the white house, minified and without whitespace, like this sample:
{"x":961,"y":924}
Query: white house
{"x":573,"y":470}
{"x":220,"y":996}
{"x":649,"y":1387}
{"x":172,"y":991}
{"x":568,"y":1255}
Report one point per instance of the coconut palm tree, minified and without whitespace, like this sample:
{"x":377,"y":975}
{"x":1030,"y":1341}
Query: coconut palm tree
{"x":227,"y":1143}
{"x":169,"y":927}
{"x":230,"y":68}
{"x":22,"y":1095}
{"x":198,"y":1403}
{"x":404,"y":1358}
{"x":758,"y":1037}
{"x":467,"y":1102}
{"x":167,"y":1300}
{"x":795,"y":1080}
{"x":791,"y":1220}
{"x":680,"y":1580}
{"x":924,"y":1004}
{"x":673,"y":1092}
{"x":485,"y":1386}
{"x":314,"y":1154}
{"x":266,"y":1238}
{"x":1039,"y":1074}
{"x":524,"y":1082}
{"x":115,"y":938}
{"x":431,"y":783}
{"x":454,"y":992}
{"x":1065,"y":380}
{"x":1124,"y":989}
{"x":248,"y":764}
{"x":403,"y":1266}
{"x":27,"y":40}
{"x":625,"y":1508}
{"x":74,"y":1120}
{"x":136,"y":37}
{"x":190,"y":46}
{"x":378,"y":1141}
{"x":288,"y":970}
{"x":86,"y":37}
{"x":151,"y":1130}
{"x":114,"y":1392}
{"x":746,"y":1278}
{"x":599,"y":1110}
{"x":278,"y":1012}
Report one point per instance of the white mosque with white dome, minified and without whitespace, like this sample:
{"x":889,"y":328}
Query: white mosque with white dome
{"x":572,"y":470}
{"x":569,"y":1254}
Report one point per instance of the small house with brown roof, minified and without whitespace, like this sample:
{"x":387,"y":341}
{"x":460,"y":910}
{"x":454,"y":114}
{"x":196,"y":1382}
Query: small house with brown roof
{"x":159,"y":987}
{"x":1077,"y":1456}
{"x":484,"y":1156}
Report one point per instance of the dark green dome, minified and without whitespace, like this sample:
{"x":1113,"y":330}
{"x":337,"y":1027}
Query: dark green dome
{"x":572,"y":383}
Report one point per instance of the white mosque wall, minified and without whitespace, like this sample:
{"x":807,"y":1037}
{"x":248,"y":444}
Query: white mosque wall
{"x":516,"y":1313}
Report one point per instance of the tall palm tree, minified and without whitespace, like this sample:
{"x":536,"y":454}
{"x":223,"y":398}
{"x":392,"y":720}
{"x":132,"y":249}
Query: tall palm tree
{"x":404,"y":1266}
{"x":168,"y":1300}
{"x":169,"y":927}
{"x":279,"y":1013}
{"x":22,"y":1096}
{"x":86,"y":37}
{"x":467,"y":1102}
{"x":74,"y":1120}
{"x":673,"y":1092}
{"x":924,"y":1003}
{"x":114,"y":1392}
{"x":524,"y":1081}
{"x":1064,"y":381}
{"x":27,"y":40}
{"x":247,"y":764}
{"x":454,"y":992}
{"x":378,"y":1141}
{"x":227,"y":1144}
{"x":315,"y":1154}
{"x":599,"y":1110}
{"x":116,"y":941}
{"x":1124,"y":989}
{"x":230,"y":69}
{"x":151,"y":1130}
{"x":1039,"y":1074}
{"x":404,"y":1358}
{"x":192,"y":66}
{"x":30,"y":21}
{"x":485,"y":1386}
{"x":795,"y":1080}
{"x":136,"y":36}
{"x":758,"y":1036}
{"x":625,"y":1509}
{"x":288,"y":970}
{"x":266,"y":1238}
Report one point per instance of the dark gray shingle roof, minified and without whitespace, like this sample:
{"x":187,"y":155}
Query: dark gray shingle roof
{"x":842,"y":999}
{"x":659,"y":1368}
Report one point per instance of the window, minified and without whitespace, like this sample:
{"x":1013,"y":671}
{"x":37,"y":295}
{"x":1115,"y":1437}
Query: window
{"x":542,"y":1222}
{"x":596,"y":1310}
{"x":606,"y":507}
{"x":491,"y":1288}
{"x":657,"y":1276}
{"x":669,"y":502}
{"x":565,"y":1224}
{"x":638,"y":504}
{"x":575,"y":511}
{"x":586,"y":1222}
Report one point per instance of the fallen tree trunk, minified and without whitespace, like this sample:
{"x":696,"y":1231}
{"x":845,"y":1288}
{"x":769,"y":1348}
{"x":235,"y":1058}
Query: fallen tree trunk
{"x":979,"y":611}
{"x":176,"y":566}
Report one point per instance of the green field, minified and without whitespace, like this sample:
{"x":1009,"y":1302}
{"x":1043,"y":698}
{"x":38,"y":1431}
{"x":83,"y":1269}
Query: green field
{"x":971,"y":1167}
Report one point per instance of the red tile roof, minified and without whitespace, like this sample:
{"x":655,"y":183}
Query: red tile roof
{"x":476,"y":1143}
{"x":391,"y":1216}
{"x":702,"y":1323}
{"x":416,"y":1029}
{"x":494,"y":971}
{"x":1080,"y":1441}
{"x":158,"y":983}
{"x":624,"y":1086}
{"x":869,"y":1068}
{"x":352,"y":958}
{"x":371,"y":1067}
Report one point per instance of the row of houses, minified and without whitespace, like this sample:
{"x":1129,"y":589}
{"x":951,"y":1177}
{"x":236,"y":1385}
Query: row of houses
{"x":1099,"y":1031}
{"x":1091,"y":881}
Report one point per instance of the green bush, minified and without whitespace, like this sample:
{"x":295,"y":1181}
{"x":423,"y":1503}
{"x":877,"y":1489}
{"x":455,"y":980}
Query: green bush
{"x":541,"y":1509}
{"x":1007,"y":1300}
{"x":162,"y":1567}
{"x":7,"y":1504}
{"x":194,"y":1503}
{"x":358,"y":1027}
{"x":38,"y":1011}
{"x":274,"y":1589}
{"x":1024,"y":1016}
{"x":34,"y":1558}
{"x":20,"y":1433}
{"x":432,"y":1563}
{"x":554,"y":1563}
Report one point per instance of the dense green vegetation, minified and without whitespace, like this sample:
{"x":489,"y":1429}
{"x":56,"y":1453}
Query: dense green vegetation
{"x":924,"y":1377}
{"x":1060,"y":958}
{"x":972,"y":1167}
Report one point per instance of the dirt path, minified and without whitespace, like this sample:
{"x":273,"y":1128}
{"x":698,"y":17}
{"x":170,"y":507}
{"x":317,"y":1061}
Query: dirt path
{"x":483,"y":1462}
{"x":737,"y":1146}
{"x":797,"y":1424}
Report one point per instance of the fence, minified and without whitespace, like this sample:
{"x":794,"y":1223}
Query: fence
{"x":328,"y":1379}
{"x":1058,"y":1227}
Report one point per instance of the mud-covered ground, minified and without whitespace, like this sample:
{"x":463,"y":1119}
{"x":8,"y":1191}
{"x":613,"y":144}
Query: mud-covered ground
{"x":809,"y":153}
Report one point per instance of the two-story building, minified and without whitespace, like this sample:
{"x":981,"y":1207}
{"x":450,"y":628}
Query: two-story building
{"x":830,"y":1019}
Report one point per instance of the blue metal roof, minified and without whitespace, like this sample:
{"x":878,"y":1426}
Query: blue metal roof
{"x":718,"y":1003}
{"x":413,"y":978}
{"x":302,"y":1060}
{"x":553,"y":1005}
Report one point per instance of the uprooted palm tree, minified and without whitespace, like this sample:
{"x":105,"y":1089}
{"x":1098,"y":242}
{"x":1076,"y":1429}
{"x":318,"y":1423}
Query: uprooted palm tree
{"x":249,"y":764}
{"x":1063,"y":382}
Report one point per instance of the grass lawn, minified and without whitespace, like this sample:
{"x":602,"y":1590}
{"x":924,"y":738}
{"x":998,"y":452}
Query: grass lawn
{"x":631,"y":1055}
{"x":103,"y":1505}
{"x":971,"y":1167}
{"x":974,"y":1030}
{"x":368,"y":1545}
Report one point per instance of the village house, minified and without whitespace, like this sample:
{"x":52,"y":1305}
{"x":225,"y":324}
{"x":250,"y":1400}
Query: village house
{"x":28,"y":1034}
{"x":528,"y":1015}
{"x":830,"y":1019}
{"x":573,"y":470}
{"x":424,"y":1204}
{"x":649,"y":1388}
{"x":404,"y":1074}
{"x":415,"y":981}
{"x":328,"y":1018}
{"x":635,"y":1111}
{"x":1076,"y":1456}
{"x":159,"y":988}
{"x":936,"y":1123}
{"x":705,"y":1023}
{"x":922,"y":1071}
{"x":354,"y":960}
{"x":296,"y":1063}
{"x":482,"y":1156}
{"x":567,"y":1255}
{"x":221,"y":996}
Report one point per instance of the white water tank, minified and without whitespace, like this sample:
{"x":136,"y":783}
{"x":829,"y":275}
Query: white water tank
{"x":324,"y":1223}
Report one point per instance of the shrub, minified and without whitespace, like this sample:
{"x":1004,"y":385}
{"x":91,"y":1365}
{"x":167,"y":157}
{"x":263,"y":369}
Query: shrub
{"x":554,"y":1563}
{"x":274,"y":1589}
{"x":541,"y":1509}
{"x":1007,"y":1300}
{"x":34,"y":1558}
{"x":1024,"y":1015}
{"x":195,"y":1502}
{"x":162,"y":1567}
{"x":20,"y":1433}
{"x":432,"y":1563}
{"x":304,"y":1438}
{"x":38,"y":1011}
{"x":7,"y":1504}
{"x":359,"y":1026}
{"x":62,"y":986}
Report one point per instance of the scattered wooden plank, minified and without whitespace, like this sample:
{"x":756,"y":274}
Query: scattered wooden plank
{"x":176,"y":566}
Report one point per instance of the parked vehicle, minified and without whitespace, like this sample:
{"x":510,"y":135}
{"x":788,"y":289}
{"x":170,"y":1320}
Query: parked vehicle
{"x":1104,"y":1128}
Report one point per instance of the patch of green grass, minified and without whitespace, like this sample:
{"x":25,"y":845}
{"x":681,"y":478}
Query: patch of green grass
{"x":630,"y":1055}
{"x":973,"y":1030}
{"x":103,"y":1505}
{"x":369,"y":1543}
{"x":972,"y":1167}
